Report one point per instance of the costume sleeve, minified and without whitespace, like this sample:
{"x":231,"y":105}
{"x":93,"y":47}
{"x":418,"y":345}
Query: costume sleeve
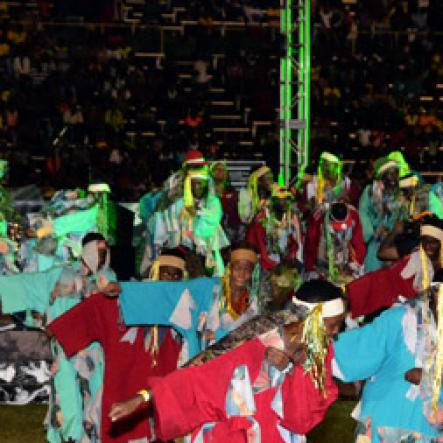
{"x":80,"y":326}
{"x":364,"y":212}
{"x":20,"y":292}
{"x":304,"y":405}
{"x":256,"y":235}
{"x":312,"y":241}
{"x":379,"y":289}
{"x":360,"y":352}
{"x":208,"y":219}
{"x":189,"y":397}
{"x":435,"y":205}
{"x":357,"y":240}
{"x":79,"y":221}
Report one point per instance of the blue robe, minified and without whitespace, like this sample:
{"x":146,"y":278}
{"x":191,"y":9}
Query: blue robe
{"x":381,"y":353}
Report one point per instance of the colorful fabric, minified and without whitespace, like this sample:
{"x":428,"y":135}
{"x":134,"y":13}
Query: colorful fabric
{"x":64,"y":419}
{"x":222,"y":318}
{"x":201,"y":233}
{"x":29,"y":291}
{"x":377,"y":209}
{"x":182,"y":305}
{"x":382,"y":288}
{"x":381,"y":353}
{"x":281,"y":410}
{"x":276,"y":240}
{"x":345,"y":248}
{"x":98,"y":319}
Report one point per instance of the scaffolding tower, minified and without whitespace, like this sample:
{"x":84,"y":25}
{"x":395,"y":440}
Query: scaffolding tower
{"x":295,"y":66}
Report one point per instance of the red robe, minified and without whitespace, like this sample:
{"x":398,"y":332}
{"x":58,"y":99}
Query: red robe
{"x":229,"y":202}
{"x":315,"y":230}
{"x":256,"y":234}
{"x":380,"y":289}
{"x":127,"y":365}
{"x":190,"y":397}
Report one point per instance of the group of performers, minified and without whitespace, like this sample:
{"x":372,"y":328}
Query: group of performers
{"x":250,"y":311}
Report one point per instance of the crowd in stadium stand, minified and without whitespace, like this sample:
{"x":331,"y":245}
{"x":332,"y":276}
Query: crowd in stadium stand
{"x":104,"y":101}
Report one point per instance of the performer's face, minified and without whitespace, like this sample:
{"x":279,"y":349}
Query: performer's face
{"x":102,"y":249}
{"x":265,"y":181}
{"x":292,"y":339}
{"x":241,"y":273}
{"x":431,"y":246}
{"x":390,"y":178}
{"x":333,"y":325}
{"x":170,"y":273}
{"x":199,"y":188}
{"x":330,"y":170}
{"x":219,"y":173}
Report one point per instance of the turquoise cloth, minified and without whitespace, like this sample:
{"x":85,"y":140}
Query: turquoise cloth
{"x":3,"y":228}
{"x":436,"y":204}
{"x":371,"y":218}
{"x":32,"y":291}
{"x":378,"y":354}
{"x":66,"y":395}
{"x":149,"y":303}
{"x":148,"y":204}
{"x":79,"y":221}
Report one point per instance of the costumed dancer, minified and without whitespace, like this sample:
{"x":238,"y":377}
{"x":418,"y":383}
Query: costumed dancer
{"x":380,"y":207}
{"x":274,"y":388}
{"x":130,"y":353}
{"x":233,"y":226}
{"x":400,"y":355}
{"x":419,"y":198}
{"x":405,"y":278}
{"x":256,"y":196}
{"x":276,"y":232}
{"x":329,"y":185}
{"x":160,"y":199}
{"x":334,"y":245}
{"x":64,"y":419}
{"x":239,"y":299}
{"x":194,"y":221}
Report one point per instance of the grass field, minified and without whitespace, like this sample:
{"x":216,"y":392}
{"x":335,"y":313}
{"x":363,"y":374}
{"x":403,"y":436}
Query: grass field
{"x":23,"y":424}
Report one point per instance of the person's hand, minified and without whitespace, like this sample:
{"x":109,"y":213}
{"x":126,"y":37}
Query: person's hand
{"x":209,"y":335}
{"x":112,"y":289}
{"x":277,"y":358}
{"x":125,"y":408}
{"x":414,"y":376}
{"x":191,"y":211}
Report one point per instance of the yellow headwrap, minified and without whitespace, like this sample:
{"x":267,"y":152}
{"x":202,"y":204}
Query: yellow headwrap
{"x":202,"y":174}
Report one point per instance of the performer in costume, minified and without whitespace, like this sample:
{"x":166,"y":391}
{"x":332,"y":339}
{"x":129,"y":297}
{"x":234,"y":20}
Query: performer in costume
{"x":194,"y":221}
{"x":276,"y":232}
{"x":64,"y":419}
{"x":160,"y":199}
{"x":273,"y":388}
{"x":400,"y":356}
{"x":232,"y":225}
{"x":256,"y":196}
{"x":329,"y":185}
{"x":406,"y":277}
{"x":334,"y":245}
{"x":239,"y":300}
{"x":130,"y":352}
{"x":418,"y":198}
{"x":380,"y":207}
